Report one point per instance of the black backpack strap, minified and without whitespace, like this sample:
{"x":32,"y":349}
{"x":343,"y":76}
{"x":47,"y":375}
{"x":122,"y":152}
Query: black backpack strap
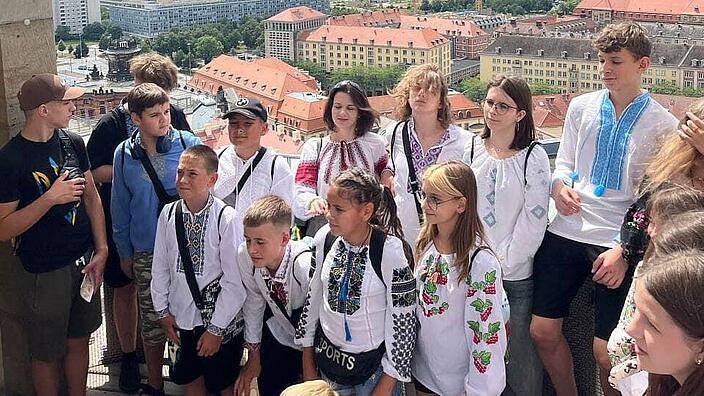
{"x":415,"y":186}
{"x":180,"y":137}
{"x":222,"y":152}
{"x":293,"y":270}
{"x":273,"y":167}
{"x":393,"y":144}
{"x":69,"y":154}
{"x":329,"y":240}
{"x":248,"y":171}
{"x":474,"y":254}
{"x":376,"y":251}
{"x":531,"y":146}
{"x":220,"y":218}
{"x":186,"y":257}
{"x":471,"y":149}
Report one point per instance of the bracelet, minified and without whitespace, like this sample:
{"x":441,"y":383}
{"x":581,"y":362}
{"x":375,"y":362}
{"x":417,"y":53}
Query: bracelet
{"x":252,"y":346}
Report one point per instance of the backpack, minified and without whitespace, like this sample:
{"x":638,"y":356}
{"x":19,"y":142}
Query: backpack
{"x":376,"y":250}
{"x":531,"y":146}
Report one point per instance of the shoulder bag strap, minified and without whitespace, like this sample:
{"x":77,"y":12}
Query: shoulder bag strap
{"x":393,"y":144}
{"x":525,"y":163}
{"x":186,"y":256}
{"x":273,"y":167}
{"x":68,"y":150}
{"x":248,"y":171}
{"x":158,"y":187}
{"x":471,"y":150}
{"x":329,"y":241}
{"x":376,"y":251}
{"x":415,"y":187}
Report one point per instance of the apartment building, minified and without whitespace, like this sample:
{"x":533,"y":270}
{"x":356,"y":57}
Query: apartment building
{"x":467,"y":40}
{"x":607,"y":11}
{"x":336,"y":47}
{"x":280,"y":30}
{"x":75,"y":14}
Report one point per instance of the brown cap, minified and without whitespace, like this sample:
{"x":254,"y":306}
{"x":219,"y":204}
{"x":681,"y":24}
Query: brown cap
{"x":44,"y":88}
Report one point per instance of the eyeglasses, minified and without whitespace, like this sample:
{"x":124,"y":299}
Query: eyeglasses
{"x":434,"y":202}
{"x":500,"y":107}
{"x":347,"y":82}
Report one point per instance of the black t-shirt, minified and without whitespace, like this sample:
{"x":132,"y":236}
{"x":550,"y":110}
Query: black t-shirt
{"x":108,"y":133}
{"x":27,"y":170}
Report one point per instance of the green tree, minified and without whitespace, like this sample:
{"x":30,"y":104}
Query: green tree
{"x":70,"y":48}
{"x":667,"y":88}
{"x":63,"y":33}
{"x":473,"y":88}
{"x":104,"y":42}
{"x":252,"y":32}
{"x":316,"y":71}
{"x":425,"y":5}
{"x":374,"y":80}
{"x":93,"y":31}
{"x":104,"y":13}
{"x":566,"y":7}
{"x":112,"y":29}
{"x":207,"y":47}
{"x":81,"y":51}
{"x":61,"y":47}
{"x":541,"y":88}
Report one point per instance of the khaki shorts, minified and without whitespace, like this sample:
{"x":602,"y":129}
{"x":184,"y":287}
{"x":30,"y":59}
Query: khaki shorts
{"x":152,"y":333}
{"x":55,"y":310}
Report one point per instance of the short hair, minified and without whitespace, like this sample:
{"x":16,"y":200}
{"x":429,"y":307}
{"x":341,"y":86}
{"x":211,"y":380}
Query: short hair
{"x":154,"y":68}
{"x":517,"y":89}
{"x":310,"y":388}
{"x":367,"y":115}
{"x":144,"y":96}
{"x":205,"y":153}
{"x":426,"y":76}
{"x":268,"y":209}
{"x":628,"y":35}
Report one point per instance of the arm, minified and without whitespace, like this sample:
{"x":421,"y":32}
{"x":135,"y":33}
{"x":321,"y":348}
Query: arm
{"x":567,"y":201}
{"x":532,"y":221}
{"x":120,"y":207}
{"x":400,"y":323}
{"x":102,"y":174}
{"x":232,"y":295}
{"x":306,"y":180}
{"x":161,"y":278}
{"x":94,"y":210}
{"x":485,"y":330}
{"x":255,"y":304}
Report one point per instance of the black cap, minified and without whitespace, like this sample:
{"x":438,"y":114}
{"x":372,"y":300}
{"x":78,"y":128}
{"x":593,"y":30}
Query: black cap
{"x":248,"y":107}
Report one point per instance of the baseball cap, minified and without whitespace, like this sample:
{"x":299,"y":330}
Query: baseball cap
{"x":44,"y":88}
{"x":248,"y":107}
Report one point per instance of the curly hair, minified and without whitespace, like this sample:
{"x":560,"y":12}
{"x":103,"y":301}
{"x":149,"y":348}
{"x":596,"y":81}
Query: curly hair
{"x":628,"y":35}
{"x":154,"y":68}
{"x":426,"y":76}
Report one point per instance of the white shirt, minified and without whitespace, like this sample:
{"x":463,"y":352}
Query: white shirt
{"x":260,"y":182}
{"x":462,"y":332}
{"x":375,"y":313}
{"x":294,"y":276}
{"x":216,"y":258}
{"x":513,"y":208}
{"x":599,"y":220}
{"x":452,"y":148}
{"x":322,"y":160}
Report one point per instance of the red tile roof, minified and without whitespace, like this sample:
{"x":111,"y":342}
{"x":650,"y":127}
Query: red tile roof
{"x":423,"y":39}
{"x":368,"y":19}
{"x":304,"y":111}
{"x":449,"y":27}
{"x":645,"y":6}
{"x":385,"y":104}
{"x":296,"y":14}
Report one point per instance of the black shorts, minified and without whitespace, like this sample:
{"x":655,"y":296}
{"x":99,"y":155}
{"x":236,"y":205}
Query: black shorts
{"x":219,"y":371}
{"x":560,"y":268}
{"x":113,"y":276}
{"x":420,"y":387}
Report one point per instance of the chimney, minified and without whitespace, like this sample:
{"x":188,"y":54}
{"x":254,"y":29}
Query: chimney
{"x":519,"y":51}
{"x":498,"y":50}
{"x":512,"y":21}
{"x":563,"y":54}
{"x":587,"y":56}
{"x":550,"y":100}
{"x":541,"y":52}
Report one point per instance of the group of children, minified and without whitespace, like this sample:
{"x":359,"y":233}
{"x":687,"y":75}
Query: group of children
{"x":425,"y":240}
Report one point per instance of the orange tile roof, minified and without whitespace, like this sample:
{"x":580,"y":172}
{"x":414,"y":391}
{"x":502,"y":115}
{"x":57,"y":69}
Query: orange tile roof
{"x":304,"y":108}
{"x":444,"y":26}
{"x":646,"y":6}
{"x":424,"y":39}
{"x":296,"y":14}
{"x":215,"y":136}
{"x":368,"y":19}
{"x":385,"y":104}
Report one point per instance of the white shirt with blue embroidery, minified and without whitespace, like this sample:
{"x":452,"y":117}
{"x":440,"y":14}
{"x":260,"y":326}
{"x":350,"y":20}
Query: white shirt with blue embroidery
{"x":213,"y":246}
{"x":600,"y":152}
{"x":290,"y":283}
{"x":372,"y":312}
{"x":513,"y":208}
{"x":461,"y":327}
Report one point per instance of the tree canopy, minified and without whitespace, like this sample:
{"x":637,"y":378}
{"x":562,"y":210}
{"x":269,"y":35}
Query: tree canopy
{"x":473,"y":88}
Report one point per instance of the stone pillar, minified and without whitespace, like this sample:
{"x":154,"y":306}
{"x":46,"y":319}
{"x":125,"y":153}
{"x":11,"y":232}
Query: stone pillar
{"x":26,"y":48}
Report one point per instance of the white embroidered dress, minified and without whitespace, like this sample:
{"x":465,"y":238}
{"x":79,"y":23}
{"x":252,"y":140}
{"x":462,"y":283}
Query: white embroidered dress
{"x":461,"y":331}
{"x":372,"y":312}
{"x":513,"y":209}
{"x":291,"y":282}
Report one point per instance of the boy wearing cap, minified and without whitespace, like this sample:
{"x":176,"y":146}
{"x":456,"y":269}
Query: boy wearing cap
{"x":113,"y":128}
{"x":50,"y":208}
{"x":248,"y":170}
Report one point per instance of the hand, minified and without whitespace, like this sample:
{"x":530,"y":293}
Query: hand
{"x":693,"y":132}
{"x":385,"y":386}
{"x":318,"y":206}
{"x":249,"y":372}
{"x":127,"y":265}
{"x":168,"y":323}
{"x":388,"y":180}
{"x":208,"y":344}
{"x":65,"y":191}
{"x":567,"y":200}
{"x":96,"y":267}
{"x":310,"y":372}
{"x":610,"y":268}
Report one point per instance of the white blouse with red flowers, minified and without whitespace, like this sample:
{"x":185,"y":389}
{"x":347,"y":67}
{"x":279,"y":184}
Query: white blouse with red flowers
{"x":462,"y":331}
{"x":322,"y":160}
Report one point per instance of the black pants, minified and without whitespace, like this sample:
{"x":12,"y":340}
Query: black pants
{"x":281,"y":365}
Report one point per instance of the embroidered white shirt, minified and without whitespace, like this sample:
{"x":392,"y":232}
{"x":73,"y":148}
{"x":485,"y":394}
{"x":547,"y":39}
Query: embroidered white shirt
{"x":293,"y":278}
{"x":260,"y":182}
{"x":452,"y":148}
{"x":599,"y":220}
{"x":462,"y":331}
{"x":513,"y":208}
{"x":218,"y":249}
{"x":322,"y":160}
{"x":374,"y":313}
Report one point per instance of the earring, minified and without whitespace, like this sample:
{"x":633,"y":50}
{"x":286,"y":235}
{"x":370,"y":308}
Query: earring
{"x":699,"y":362}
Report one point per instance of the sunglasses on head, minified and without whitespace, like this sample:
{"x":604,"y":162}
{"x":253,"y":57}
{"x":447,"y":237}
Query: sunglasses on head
{"x":343,"y":83}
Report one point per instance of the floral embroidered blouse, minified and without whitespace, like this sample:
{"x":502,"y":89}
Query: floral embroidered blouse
{"x":462,"y":331}
{"x":356,"y":310}
{"x":322,"y":159}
